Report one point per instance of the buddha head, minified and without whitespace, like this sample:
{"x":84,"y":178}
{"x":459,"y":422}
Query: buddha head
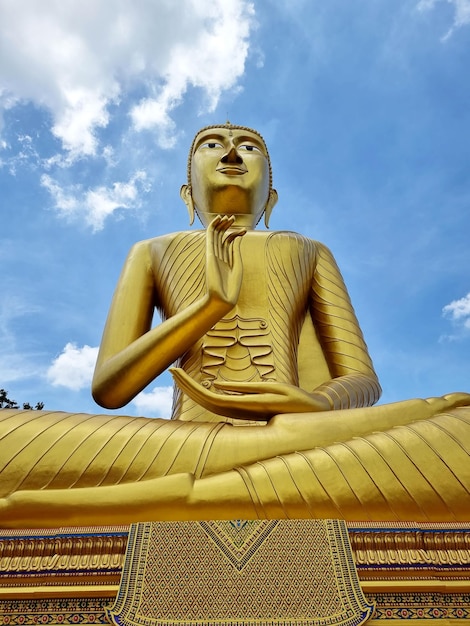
{"x":229,"y":173}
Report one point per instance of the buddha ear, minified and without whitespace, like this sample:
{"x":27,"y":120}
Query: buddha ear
{"x":270,"y":206}
{"x":186,"y":196}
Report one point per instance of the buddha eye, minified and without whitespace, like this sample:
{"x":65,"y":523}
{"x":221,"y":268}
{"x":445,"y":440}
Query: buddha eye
{"x":248,"y":147}
{"x":211,"y":145}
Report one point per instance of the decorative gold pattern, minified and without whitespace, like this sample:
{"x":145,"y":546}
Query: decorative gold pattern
{"x":421,"y":605}
{"x":414,"y":549}
{"x":237,"y":349}
{"x":69,"y":554}
{"x":405,"y":550}
{"x":432,"y":560}
{"x":53,"y":611}
{"x":403,"y":606}
{"x":238,"y":539}
{"x":267,"y":572}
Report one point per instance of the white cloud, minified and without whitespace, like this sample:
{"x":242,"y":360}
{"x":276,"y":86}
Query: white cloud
{"x":155,"y":403}
{"x":73,"y":368}
{"x":26,"y":154}
{"x":76,"y":58}
{"x":95,"y":205}
{"x":213,"y":59}
{"x":459,"y":311}
{"x":461,"y":13}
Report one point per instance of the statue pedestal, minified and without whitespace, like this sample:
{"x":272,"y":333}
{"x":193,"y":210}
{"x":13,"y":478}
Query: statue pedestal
{"x":68,"y":575}
{"x":250,"y":572}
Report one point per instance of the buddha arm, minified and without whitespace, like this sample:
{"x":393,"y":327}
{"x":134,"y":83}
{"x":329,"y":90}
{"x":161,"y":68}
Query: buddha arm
{"x":354,"y":382}
{"x":131,"y":353}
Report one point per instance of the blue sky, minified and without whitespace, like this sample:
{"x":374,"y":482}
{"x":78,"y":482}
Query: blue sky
{"x":365,"y":108}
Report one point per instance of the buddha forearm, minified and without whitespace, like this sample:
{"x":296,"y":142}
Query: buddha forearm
{"x":122,"y":376}
{"x":350,"y":391}
{"x":131,"y":354}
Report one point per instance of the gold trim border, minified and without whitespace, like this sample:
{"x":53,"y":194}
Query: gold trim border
{"x":86,"y":562}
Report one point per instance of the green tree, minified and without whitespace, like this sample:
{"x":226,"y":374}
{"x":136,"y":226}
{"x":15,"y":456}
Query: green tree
{"x":7,"y":403}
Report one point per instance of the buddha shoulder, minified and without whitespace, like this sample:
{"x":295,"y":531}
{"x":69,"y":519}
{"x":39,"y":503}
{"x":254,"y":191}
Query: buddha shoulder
{"x":295,"y":243}
{"x":150,"y":250}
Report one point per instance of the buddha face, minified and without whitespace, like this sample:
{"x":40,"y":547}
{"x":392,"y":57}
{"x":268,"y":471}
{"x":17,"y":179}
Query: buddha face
{"x":230,"y":175}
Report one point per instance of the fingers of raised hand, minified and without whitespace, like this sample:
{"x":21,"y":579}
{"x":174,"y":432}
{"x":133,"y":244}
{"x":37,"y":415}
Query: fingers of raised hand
{"x":232,"y":245}
{"x":221,"y":242}
{"x":219,"y":225}
{"x":219,"y":237}
{"x":213,"y":235}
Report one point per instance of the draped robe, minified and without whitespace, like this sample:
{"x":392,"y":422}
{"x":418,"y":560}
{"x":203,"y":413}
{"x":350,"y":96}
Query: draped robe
{"x":401,"y":461}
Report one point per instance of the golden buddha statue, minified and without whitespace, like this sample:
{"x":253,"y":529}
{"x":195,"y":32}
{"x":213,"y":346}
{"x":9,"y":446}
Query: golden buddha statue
{"x":272,"y":414}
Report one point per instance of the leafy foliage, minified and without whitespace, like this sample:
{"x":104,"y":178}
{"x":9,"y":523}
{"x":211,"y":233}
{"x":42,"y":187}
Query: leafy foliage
{"x":7,"y":403}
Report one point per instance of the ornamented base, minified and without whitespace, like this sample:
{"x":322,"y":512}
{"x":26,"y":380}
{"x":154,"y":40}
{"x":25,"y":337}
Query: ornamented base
{"x":67,"y":576}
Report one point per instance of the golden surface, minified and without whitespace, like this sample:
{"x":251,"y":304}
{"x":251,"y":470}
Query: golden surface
{"x":256,"y":573}
{"x":272,"y":415}
{"x":87,"y":561}
{"x":411,"y":572}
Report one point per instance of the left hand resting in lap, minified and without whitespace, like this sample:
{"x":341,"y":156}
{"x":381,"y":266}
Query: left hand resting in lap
{"x":251,"y":401}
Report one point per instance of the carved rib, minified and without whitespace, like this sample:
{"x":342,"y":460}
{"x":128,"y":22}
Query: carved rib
{"x":290,"y":261}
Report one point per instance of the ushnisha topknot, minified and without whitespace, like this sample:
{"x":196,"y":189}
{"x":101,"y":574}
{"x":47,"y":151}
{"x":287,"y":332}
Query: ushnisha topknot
{"x":229,"y":126}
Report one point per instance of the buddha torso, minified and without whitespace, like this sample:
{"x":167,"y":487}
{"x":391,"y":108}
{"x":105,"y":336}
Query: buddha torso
{"x":258,"y":339}
{"x":405,"y":461}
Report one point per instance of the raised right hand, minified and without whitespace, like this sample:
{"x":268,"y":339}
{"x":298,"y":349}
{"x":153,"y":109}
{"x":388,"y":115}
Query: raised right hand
{"x":224,"y":268}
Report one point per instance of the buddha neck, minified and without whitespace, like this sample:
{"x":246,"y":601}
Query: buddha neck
{"x":242,"y":220}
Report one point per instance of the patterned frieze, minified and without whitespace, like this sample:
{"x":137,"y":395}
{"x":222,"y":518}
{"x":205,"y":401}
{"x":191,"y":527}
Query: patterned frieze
{"x":68,"y":575}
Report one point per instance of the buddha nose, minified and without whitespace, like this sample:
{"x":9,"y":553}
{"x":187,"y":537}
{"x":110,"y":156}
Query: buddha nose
{"x":232,"y":156}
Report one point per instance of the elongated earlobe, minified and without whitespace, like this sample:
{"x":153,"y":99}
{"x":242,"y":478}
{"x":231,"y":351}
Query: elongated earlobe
{"x":270,"y":206}
{"x":185,"y":193}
